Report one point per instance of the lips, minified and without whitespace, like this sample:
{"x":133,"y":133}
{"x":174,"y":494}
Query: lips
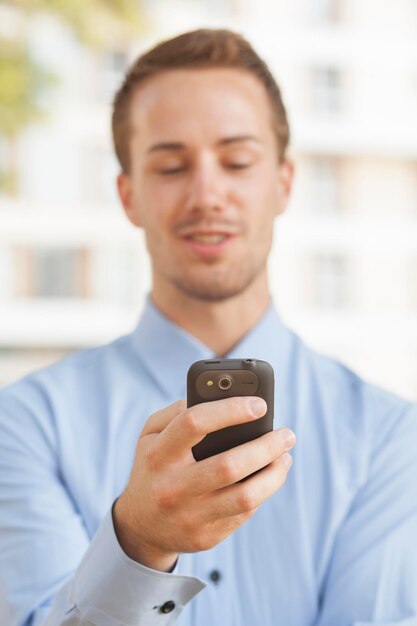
{"x":208,"y":238}
{"x":208,"y":243}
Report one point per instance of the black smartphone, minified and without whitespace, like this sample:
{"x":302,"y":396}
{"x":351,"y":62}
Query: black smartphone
{"x":223,"y":378}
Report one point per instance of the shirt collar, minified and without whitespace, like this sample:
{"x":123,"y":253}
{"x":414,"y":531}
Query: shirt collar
{"x":167,"y":350}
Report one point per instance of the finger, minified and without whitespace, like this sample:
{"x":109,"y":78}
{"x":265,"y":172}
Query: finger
{"x":229,"y":467}
{"x":159,"y":420}
{"x":190,"y":426}
{"x":245,"y":496}
{"x":217,"y":530}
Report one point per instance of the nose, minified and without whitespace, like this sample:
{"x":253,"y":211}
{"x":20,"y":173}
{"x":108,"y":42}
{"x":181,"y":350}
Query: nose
{"x":206,"y":187}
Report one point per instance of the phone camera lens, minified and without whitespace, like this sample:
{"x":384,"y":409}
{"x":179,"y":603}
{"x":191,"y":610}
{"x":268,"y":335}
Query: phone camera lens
{"x":225,"y":382}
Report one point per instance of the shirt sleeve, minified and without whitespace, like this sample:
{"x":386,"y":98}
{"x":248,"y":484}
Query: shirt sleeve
{"x":50,"y":572}
{"x":372,"y":576}
{"x":109,"y":588}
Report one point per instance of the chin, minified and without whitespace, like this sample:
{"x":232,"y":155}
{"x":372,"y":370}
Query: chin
{"x":214,"y":291}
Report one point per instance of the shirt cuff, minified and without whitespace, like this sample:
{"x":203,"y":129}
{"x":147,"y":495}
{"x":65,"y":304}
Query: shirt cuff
{"x":110,"y":588}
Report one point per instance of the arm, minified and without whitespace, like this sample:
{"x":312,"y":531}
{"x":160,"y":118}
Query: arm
{"x":109,"y":589}
{"x":372,"y":577}
{"x":172,"y":504}
{"x":50,"y":574}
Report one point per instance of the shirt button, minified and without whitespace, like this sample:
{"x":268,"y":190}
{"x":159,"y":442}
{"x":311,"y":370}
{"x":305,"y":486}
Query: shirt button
{"x":215,"y":576}
{"x":167,"y":607}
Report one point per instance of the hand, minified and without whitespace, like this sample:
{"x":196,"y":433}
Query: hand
{"x":173,"y":503}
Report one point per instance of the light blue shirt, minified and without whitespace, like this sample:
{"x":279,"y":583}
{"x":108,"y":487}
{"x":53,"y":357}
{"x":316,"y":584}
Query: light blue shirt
{"x":335,"y":546}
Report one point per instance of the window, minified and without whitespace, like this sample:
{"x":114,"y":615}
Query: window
{"x":326,"y":10}
{"x":52,"y":273}
{"x":326,"y":90}
{"x":325,"y":185}
{"x":330,"y":281}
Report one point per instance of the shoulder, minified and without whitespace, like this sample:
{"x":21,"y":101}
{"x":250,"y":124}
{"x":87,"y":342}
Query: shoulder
{"x":37,"y":392}
{"x":372,"y":409}
{"x":355,"y":424}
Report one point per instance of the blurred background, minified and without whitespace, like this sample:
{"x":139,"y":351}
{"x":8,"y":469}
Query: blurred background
{"x":74,"y":273}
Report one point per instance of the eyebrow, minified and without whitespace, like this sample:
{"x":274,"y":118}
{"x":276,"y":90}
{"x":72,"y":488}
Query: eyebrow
{"x":176,"y":145}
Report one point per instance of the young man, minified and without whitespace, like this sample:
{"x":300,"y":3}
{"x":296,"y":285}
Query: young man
{"x":106,"y":518}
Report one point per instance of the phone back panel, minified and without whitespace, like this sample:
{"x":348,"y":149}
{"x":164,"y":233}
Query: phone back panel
{"x":249,"y":377}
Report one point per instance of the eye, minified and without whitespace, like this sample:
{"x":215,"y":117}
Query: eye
{"x":238,"y":166}
{"x":172,"y":170}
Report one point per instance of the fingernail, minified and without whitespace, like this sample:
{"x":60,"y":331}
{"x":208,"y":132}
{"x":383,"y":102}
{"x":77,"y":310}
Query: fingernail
{"x":288,"y":438}
{"x":257,"y":406}
{"x":287,"y":460}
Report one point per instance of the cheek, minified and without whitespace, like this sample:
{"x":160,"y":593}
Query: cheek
{"x":150,"y":205}
{"x":260,"y":189}
{"x":162,"y":202}
{"x":262,"y":209}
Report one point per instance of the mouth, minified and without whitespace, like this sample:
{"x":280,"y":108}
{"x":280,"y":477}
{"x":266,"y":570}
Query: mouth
{"x":207,"y":244}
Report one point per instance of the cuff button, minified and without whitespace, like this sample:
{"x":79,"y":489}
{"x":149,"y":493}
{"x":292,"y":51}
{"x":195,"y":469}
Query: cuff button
{"x":167,"y":607}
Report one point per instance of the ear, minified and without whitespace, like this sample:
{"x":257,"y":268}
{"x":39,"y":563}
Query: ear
{"x":126,"y":195}
{"x":284,"y":187}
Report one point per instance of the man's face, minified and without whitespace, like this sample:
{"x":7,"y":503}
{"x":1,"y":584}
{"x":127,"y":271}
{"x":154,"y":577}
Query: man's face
{"x":205,"y":181}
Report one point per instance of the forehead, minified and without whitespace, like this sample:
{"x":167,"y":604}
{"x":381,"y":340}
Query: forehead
{"x":200,"y":104}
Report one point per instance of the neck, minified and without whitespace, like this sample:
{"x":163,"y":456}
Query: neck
{"x":219,"y":325}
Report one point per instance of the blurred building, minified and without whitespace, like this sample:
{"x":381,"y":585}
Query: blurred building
{"x":73,"y":272}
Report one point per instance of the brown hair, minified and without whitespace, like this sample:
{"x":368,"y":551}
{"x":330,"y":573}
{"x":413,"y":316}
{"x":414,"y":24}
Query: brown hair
{"x":203,"y":48}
